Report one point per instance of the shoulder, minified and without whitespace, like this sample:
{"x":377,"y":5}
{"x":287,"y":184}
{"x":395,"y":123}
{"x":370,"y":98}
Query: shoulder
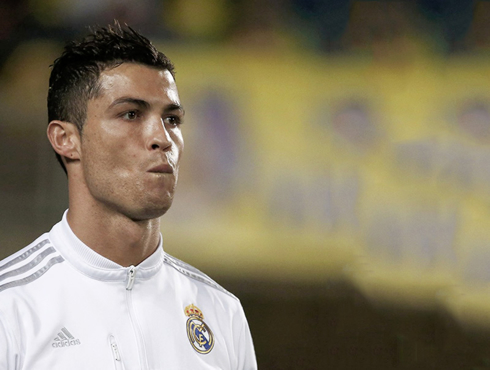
{"x":193,"y":273}
{"x":28,"y":264}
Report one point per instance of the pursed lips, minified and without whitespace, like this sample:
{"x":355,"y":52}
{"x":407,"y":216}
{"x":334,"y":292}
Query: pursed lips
{"x":162,"y":168}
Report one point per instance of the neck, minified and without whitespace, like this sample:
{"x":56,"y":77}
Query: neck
{"x":115,"y":236}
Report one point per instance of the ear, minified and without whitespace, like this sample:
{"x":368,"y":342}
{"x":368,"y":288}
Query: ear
{"x":65,"y":139}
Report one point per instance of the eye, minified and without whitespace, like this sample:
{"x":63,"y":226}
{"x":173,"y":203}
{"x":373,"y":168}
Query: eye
{"x":130,"y":115}
{"x":172,"y":120}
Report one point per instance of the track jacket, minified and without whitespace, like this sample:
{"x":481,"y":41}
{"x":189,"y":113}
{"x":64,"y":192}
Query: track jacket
{"x":63,"y":306}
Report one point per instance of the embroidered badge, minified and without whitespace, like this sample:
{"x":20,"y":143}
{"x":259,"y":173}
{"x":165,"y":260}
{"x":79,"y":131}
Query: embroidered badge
{"x":198,"y":332}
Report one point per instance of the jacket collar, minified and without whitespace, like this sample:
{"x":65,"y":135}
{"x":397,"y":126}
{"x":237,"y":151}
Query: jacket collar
{"x":92,"y":264}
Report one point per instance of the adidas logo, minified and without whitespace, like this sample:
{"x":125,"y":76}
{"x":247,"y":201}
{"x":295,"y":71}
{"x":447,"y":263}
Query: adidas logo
{"x":65,"y":339}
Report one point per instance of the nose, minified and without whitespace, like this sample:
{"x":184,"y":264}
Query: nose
{"x":160,"y":138}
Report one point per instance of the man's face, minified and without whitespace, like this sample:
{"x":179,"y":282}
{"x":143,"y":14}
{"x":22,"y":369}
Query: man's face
{"x":131,"y":141}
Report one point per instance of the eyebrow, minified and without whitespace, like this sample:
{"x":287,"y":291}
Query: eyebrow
{"x":126,"y":100}
{"x":173,"y":107}
{"x":144,"y":104}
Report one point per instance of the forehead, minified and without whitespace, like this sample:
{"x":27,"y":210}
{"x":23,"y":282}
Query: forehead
{"x":138,"y":81}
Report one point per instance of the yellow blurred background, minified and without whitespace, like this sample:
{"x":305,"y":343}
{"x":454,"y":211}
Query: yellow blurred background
{"x":325,"y":141}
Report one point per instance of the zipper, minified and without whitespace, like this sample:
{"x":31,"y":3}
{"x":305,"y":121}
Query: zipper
{"x":131,"y":276}
{"x":137,"y":331}
{"x":115,"y":353}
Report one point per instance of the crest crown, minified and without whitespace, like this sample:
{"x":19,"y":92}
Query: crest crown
{"x":192,"y":310}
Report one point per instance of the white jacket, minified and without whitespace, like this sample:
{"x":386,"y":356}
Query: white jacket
{"x":63,"y":306}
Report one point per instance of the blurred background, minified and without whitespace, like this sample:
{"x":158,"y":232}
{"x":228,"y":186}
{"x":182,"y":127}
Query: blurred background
{"x":337,"y":165}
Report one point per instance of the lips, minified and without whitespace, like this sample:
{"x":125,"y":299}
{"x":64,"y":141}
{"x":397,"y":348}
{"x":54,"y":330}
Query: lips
{"x":162,"y":168}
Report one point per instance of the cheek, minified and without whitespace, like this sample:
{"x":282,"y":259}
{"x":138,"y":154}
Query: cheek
{"x":103,"y":157}
{"x":94,"y":142}
{"x":178,"y":146}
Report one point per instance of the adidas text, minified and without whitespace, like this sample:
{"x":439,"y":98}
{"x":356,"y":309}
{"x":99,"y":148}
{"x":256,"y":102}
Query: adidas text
{"x":66,"y":343}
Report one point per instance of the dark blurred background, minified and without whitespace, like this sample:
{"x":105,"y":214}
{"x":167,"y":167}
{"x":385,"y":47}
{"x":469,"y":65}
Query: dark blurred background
{"x":337,"y":166}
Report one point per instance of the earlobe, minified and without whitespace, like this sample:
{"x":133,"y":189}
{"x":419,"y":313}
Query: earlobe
{"x":65,"y":139}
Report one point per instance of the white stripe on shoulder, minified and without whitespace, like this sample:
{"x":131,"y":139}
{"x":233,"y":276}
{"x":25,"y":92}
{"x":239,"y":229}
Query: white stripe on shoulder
{"x":28,"y":264}
{"x":194,"y":273}
{"x":23,"y":255}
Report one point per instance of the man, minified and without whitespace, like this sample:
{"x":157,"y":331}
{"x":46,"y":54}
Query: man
{"x":98,"y":291}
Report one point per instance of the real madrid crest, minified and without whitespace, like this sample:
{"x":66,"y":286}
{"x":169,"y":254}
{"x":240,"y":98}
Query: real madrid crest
{"x":198,"y":332}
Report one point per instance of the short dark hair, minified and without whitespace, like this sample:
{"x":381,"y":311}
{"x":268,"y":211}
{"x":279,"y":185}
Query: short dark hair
{"x":75,"y":74}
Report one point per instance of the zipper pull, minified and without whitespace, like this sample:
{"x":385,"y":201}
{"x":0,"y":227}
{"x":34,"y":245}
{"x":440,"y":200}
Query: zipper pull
{"x":131,"y":275}
{"x":115,"y":350}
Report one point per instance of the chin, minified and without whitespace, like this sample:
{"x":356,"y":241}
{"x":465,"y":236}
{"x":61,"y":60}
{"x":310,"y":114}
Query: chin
{"x":150,"y":212}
